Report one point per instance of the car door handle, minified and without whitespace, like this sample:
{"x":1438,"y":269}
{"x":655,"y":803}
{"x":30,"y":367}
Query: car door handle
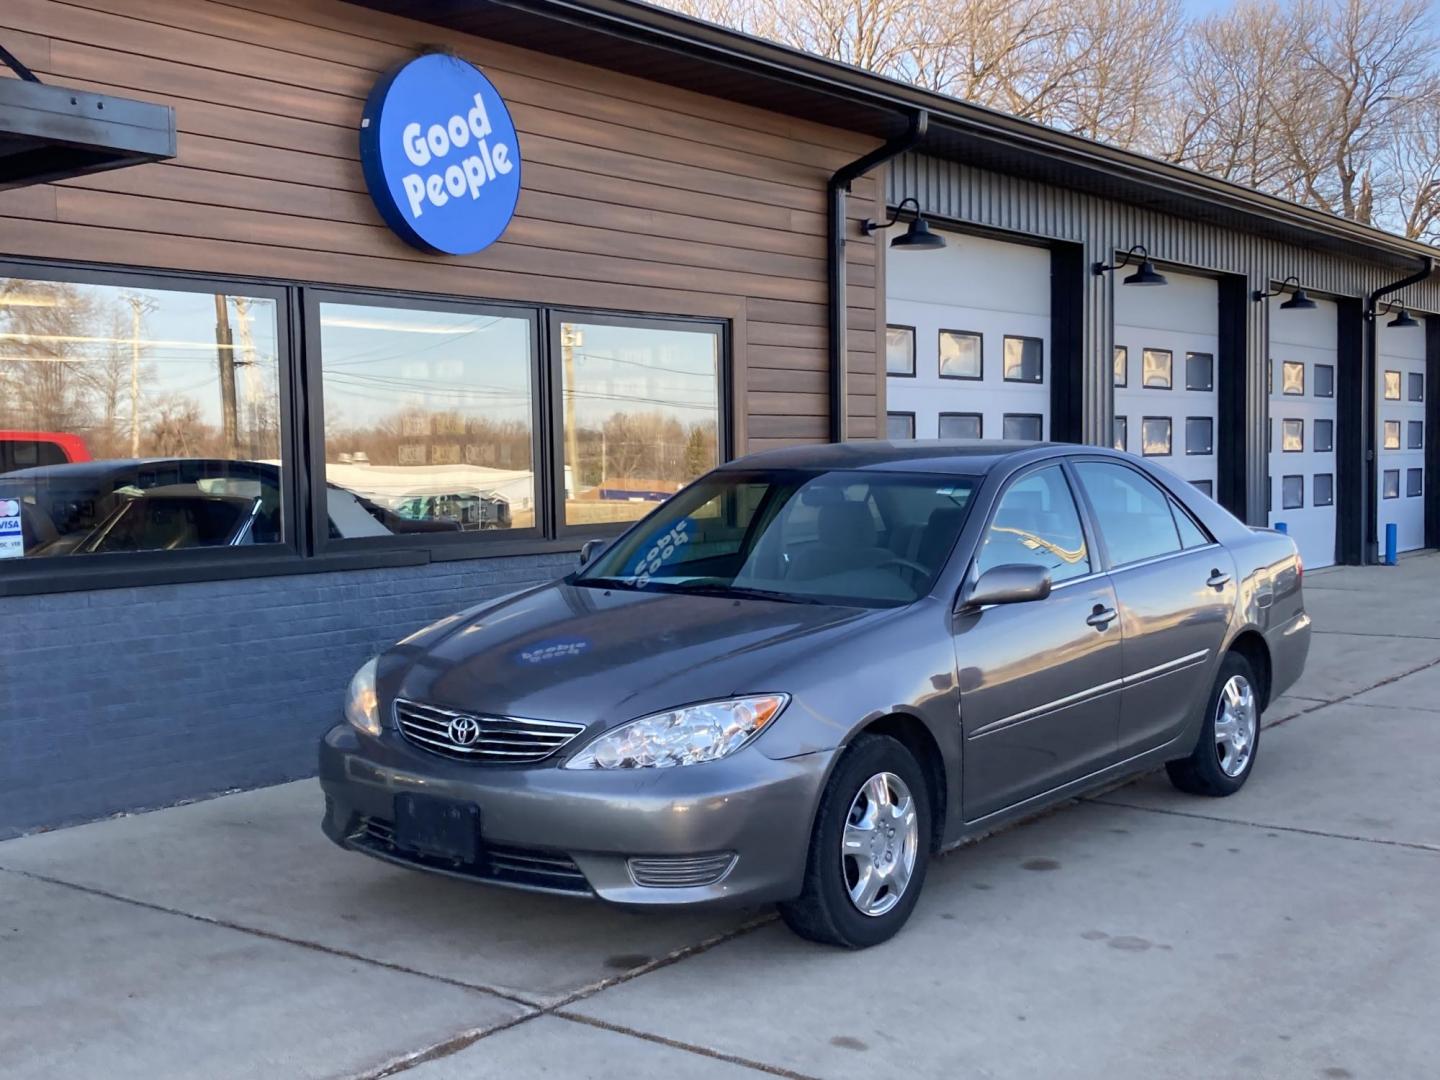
{"x":1217,"y":580}
{"x":1101,"y":617}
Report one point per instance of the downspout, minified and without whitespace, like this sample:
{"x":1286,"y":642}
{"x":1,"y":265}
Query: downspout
{"x":835,"y":192}
{"x":1371,"y":404}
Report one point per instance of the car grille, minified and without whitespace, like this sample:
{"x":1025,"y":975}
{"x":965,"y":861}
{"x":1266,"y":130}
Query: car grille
{"x":505,"y":740}
{"x":526,"y":867}
{"x":680,"y":871}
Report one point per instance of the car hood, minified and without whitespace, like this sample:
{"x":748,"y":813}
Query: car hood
{"x":600,"y":657}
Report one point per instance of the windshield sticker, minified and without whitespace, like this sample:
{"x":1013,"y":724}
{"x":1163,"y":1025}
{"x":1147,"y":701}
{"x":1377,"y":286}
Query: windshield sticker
{"x":543,"y":652}
{"x":661,"y":552}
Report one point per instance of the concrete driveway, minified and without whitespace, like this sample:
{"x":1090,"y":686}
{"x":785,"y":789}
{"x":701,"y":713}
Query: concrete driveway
{"x":1291,"y":931}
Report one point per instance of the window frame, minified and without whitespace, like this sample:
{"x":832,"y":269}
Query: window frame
{"x":1385,"y":475}
{"x":1124,"y":382}
{"x":552,"y":362}
{"x":1315,"y":428}
{"x":302,"y":549}
{"x":1040,"y":341}
{"x":476,"y":542}
{"x":1296,"y":506}
{"x":901,"y":412}
{"x":980,"y":417}
{"x":1315,"y":380}
{"x":1385,"y":394}
{"x":1082,"y":511}
{"x":1315,"y":489}
{"x":1285,"y":423}
{"x":940,"y":360}
{"x":1285,"y":391}
{"x":913,"y":362}
{"x":1385,"y":443}
{"x":1209,"y":388}
{"x":1411,"y":427}
{"x":1170,"y":383}
{"x":62,"y":573}
{"x":1169,"y":442}
{"x":1412,"y":473}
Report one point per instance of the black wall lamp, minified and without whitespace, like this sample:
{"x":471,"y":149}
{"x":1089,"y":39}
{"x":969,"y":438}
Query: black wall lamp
{"x":1299,"y":302}
{"x":917,"y":237}
{"x":1145,"y":274}
{"x":1403,"y":321}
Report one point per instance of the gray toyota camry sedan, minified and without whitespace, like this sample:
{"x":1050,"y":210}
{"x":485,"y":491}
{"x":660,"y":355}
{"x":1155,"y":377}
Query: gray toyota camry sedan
{"x":813,"y":669}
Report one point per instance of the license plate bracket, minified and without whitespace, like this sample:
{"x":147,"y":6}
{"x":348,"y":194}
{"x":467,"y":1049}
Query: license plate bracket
{"x":438,"y":828}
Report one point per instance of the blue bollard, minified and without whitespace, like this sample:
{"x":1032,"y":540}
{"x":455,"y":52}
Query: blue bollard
{"x":1392,"y":542}
{"x":1281,"y":527}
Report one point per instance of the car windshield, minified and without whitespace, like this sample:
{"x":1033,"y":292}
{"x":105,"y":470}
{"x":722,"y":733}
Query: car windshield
{"x":842,"y":537}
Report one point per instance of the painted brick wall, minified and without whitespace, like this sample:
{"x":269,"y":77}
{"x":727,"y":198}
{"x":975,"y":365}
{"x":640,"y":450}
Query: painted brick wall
{"x":135,"y":698}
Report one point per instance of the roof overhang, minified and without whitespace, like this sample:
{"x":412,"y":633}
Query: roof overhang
{"x":52,"y":133}
{"x":659,"y":44}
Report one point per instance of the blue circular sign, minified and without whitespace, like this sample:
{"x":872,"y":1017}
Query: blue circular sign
{"x":440,"y":155}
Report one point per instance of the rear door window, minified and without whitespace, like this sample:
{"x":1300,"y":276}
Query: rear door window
{"x":1131,"y":512}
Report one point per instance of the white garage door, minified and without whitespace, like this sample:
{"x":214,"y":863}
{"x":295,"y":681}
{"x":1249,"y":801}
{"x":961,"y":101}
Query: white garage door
{"x":1401,"y":437}
{"x":1302,"y":427}
{"x":968,"y":342}
{"x":1166,"y":374}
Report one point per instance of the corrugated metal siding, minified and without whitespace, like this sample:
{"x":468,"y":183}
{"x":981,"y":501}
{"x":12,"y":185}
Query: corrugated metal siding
{"x":970,"y":196}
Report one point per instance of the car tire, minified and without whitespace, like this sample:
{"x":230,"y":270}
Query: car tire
{"x":1229,"y":741}
{"x":825,"y":911}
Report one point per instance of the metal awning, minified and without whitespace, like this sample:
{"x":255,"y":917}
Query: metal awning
{"x":51,"y":133}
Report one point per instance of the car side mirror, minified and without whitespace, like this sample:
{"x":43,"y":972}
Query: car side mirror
{"x":1013,"y":583}
{"x":589,"y":550}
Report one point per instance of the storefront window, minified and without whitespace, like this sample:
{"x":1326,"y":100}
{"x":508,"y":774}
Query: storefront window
{"x":137,"y":419}
{"x":428,"y":420}
{"x":641,"y":414}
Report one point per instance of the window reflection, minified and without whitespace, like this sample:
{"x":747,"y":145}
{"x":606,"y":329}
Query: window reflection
{"x":1155,"y":434}
{"x":900,"y":350}
{"x":137,"y":419}
{"x":1157,"y":368}
{"x":1292,"y":375}
{"x":961,"y":355}
{"x":427,"y":420}
{"x":1122,"y":365}
{"x":642,"y":415}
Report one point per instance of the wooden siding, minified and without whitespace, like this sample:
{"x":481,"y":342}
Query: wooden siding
{"x":636,"y":196}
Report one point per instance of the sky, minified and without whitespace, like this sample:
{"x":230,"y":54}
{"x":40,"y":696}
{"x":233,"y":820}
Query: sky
{"x":1201,"y":8}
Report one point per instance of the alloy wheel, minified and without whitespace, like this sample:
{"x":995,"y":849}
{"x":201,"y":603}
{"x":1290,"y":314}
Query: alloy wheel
{"x":879,"y":844}
{"x":1236,"y":718}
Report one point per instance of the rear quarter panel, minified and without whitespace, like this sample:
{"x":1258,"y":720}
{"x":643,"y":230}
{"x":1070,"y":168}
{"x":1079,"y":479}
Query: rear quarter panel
{"x":1272,"y":601}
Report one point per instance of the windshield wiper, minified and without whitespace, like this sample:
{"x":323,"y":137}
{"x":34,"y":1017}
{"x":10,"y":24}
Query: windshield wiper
{"x":608,"y":583}
{"x":741,"y":592}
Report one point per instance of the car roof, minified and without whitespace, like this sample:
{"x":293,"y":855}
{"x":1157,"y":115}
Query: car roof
{"x":960,"y":457}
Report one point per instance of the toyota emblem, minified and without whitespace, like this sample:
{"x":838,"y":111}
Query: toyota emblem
{"x":464,"y":730}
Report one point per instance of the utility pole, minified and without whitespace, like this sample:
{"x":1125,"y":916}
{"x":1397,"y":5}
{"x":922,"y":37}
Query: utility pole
{"x":225,"y":354}
{"x":571,"y":338}
{"x":139,"y":307}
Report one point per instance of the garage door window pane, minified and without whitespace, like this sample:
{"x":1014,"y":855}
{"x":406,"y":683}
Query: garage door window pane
{"x":1024,"y":359}
{"x":1023,"y":426}
{"x":1292,"y":436}
{"x":1324,"y":380}
{"x":1292,"y":377}
{"x":1417,"y":386}
{"x":1205,"y":487}
{"x":961,"y":426}
{"x":1324,"y":489}
{"x":961,"y":355}
{"x":1390,"y":484}
{"x":1122,"y":365}
{"x":1414,"y":482}
{"x":900,"y":425}
{"x":1036,"y":524}
{"x":1199,"y":371}
{"x":138,"y":419}
{"x":1392,"y":434}
{"x":1392,"y":386}
{"x":1324,"y":436}
{"x":427,"y":420}
{"x":1199,"y":435}
{"x":900,"y":350}
{"x":1133,"y":515}
{"x":1157,"y":368}
{"x":1415,"y":435}
{"x":1155,"y":436}
{"x":1122,"y":433}
{"x":1292,"y":492}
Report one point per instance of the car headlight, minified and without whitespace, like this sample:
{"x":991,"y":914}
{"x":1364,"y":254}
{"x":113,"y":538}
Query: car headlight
{"x":362,"y":705}
{"x":685,"y":736}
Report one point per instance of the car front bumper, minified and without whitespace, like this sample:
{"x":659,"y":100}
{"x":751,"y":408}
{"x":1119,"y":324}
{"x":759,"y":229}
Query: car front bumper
{"x":575,"y":831}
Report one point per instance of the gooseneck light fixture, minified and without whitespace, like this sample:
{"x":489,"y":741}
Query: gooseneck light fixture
{"x":917,"y":237}
{"x":1403,"y":321}
{"x":1145,"y":273}
{"x":1299,"y":302}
